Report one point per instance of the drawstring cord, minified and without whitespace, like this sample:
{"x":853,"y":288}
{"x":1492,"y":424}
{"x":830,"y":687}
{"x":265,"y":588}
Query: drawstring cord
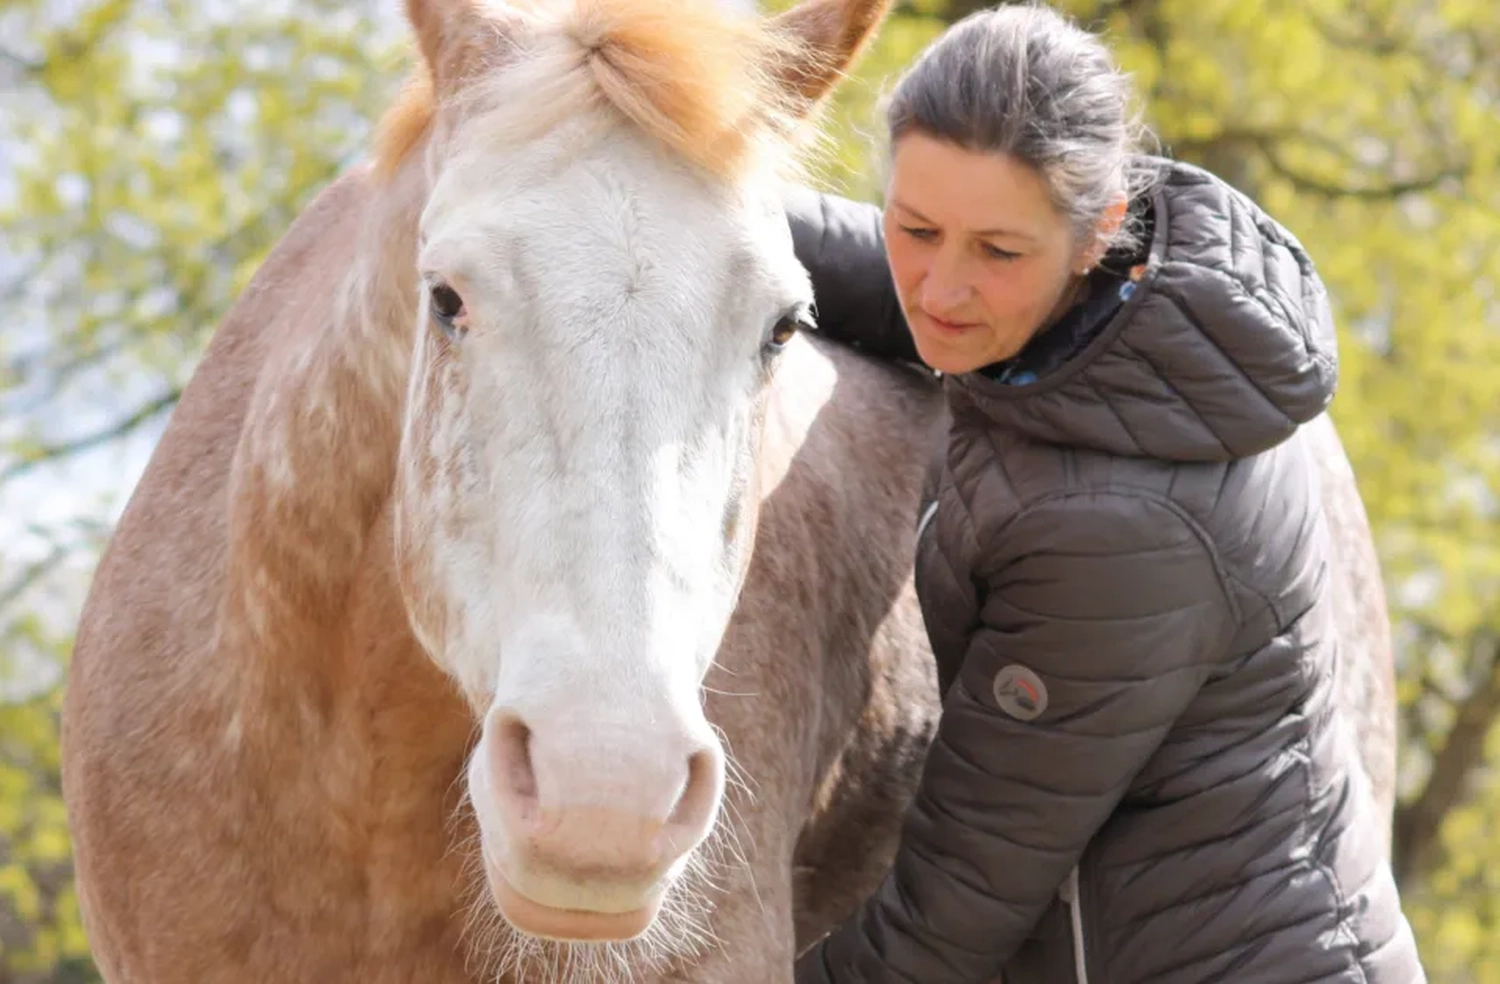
{"x":1069,"y":894}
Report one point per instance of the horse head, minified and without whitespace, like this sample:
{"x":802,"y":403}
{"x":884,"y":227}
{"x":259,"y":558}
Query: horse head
{"x":608,"y":284}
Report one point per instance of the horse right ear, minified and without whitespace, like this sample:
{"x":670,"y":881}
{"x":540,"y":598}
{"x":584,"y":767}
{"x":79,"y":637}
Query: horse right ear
{"x":829,"y":35}
{"x":460,"y":39}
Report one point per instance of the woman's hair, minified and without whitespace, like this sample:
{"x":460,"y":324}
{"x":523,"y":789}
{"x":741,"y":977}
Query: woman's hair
{"x":1025,"y":81}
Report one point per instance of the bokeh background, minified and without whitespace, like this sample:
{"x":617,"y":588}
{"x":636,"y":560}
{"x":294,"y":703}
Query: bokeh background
{"x":152,"y":151}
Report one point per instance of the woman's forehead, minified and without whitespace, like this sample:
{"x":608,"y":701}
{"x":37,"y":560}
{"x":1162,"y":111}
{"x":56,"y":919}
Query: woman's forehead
{"x":988,"y":194}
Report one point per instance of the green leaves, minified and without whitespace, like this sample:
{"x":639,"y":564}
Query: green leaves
{"x":36,"y":894}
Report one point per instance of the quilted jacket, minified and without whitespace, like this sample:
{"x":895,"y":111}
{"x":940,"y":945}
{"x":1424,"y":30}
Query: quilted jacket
{"x":1138,"y":775}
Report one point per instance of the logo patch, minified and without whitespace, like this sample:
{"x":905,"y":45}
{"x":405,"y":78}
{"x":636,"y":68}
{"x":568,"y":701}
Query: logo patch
{"x":1020,"y":693}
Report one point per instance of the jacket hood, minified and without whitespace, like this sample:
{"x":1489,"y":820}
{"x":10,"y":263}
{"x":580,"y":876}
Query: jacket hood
{"x":1226,"y":346}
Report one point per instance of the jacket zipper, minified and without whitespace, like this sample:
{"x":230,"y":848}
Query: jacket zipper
{"x":1069,"y":893}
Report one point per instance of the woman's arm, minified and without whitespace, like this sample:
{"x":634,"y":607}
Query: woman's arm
{"x":1115,"y":604}
{"x":840,"y":243}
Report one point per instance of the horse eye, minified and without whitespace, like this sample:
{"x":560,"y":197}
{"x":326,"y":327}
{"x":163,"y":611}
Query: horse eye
{"x":447,"y":306}
{"x":788,"y":325}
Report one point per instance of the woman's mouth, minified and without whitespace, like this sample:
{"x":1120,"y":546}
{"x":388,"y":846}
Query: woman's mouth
{"x":950,"y":327}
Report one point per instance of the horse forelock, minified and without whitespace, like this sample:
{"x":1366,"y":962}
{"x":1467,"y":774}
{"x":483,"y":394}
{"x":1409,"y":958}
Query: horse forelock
{"x":695,"y":77}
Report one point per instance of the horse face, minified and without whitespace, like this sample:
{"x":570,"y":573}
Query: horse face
{"x":579,"y":490}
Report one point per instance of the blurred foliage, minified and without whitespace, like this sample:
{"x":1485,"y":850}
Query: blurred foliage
{"x":158,"y":148}
{"x":40,"y":930}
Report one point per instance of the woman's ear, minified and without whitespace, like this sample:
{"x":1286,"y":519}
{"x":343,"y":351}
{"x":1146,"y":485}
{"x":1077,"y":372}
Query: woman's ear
{"x":1109,"y":224}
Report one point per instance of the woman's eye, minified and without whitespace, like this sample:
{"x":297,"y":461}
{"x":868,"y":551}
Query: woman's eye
{"x":996,"y":253}
{"x":448,"y":308}
{"x":918,"y":232}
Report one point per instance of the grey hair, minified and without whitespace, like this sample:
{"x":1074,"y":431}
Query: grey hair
{"x":1025,"y":81}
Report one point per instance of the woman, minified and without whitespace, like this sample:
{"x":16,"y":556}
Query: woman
{"x":1135,"y":777}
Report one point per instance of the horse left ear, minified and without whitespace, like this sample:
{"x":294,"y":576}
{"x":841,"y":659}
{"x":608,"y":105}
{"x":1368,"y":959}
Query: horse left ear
{"x":460,"y":39}
{"x":829,"y":35}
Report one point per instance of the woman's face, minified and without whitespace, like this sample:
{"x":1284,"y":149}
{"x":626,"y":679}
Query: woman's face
{"x":980,"y":257}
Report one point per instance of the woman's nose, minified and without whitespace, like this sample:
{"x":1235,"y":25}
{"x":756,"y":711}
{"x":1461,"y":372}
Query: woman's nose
{"x":945,"y":288}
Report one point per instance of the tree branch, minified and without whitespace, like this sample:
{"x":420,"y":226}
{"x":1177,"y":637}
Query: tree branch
{"x":1370,"y":192}
{"x":1375,"y":40}
{"x":1244,"y":138}
{"x":11,"y":291}
{"x":24,"y":65}
{"x":83,"y":533}
{"x":114,"y":431}
{"x":1418,"y":823}
{"x":32,"y":573}
{"x":24,"y":367}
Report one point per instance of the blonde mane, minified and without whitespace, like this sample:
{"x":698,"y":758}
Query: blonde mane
{"x":692,"y":75}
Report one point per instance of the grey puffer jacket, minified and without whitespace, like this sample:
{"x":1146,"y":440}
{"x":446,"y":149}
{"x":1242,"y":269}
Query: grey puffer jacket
{"x":1137,"y":776}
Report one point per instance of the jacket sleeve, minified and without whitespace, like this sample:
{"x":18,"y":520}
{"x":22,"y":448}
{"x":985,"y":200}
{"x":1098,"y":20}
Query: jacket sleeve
{"x":1115,"y":602}
{"x":840,"y":243}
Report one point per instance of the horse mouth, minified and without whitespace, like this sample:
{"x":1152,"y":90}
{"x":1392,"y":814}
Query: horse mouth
{"x":569,"y":925}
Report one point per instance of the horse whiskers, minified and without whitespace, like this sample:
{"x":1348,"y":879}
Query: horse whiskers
{"x":730,"y":693}
{"x":726,"y":836}
{"x":484,"y":930}
{"x":454,"y":824}
{"x":735,"y":777}
{"x":681,"y":931}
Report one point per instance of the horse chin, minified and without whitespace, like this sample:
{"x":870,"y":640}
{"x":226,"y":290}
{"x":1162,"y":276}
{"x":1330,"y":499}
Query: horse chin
{"x":571,"y":925}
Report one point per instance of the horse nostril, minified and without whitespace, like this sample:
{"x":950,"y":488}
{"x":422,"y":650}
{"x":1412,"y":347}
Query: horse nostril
{"x":510,"y":762}
{"x":700,"y":796}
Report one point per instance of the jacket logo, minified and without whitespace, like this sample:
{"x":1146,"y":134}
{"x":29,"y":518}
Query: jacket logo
{"x":1020,"y":693}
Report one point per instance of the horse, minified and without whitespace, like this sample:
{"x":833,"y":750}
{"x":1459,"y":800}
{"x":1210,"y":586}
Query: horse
{"x":518,"y":593}
{"x":1365,"y":666}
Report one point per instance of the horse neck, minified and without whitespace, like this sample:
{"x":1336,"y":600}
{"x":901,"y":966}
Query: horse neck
{"x":312,"y":474}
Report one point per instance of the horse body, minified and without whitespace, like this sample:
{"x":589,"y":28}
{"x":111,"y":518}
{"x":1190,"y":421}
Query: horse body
{"x":1367,"y":664}
{"x":430,"y":648}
